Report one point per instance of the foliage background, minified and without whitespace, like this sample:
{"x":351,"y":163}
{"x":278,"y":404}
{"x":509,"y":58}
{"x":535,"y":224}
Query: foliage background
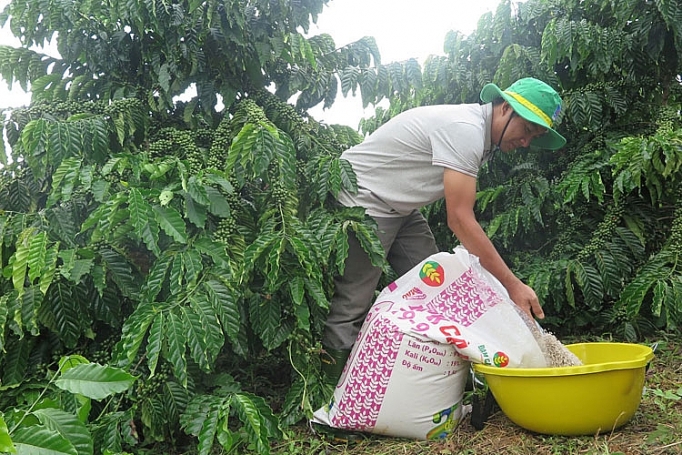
{"x":193,"y":244}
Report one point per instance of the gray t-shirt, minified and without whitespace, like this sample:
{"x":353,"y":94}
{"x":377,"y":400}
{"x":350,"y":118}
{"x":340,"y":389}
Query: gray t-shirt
{"x":399,"y":167}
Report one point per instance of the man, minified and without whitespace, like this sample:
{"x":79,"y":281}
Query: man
{"x":416,"y":158}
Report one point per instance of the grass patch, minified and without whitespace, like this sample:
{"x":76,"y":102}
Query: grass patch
{"x":655,"y":429}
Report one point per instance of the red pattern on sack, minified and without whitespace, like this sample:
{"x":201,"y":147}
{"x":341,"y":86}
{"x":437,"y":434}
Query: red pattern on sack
{"x":414,"y":294}
{"x":473,"y":297}
{"x":359,"y":406}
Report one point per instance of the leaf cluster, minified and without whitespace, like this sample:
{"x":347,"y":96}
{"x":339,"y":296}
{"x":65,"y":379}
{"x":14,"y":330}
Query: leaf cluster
{"x":187,"y":247}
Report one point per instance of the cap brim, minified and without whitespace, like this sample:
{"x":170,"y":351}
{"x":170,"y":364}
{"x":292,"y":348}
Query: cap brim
{"x":550,"y":140}
{"x":490,"y":92}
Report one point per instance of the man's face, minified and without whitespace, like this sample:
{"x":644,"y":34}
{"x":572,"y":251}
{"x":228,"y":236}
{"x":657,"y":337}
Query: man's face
{"x":520,"y":133}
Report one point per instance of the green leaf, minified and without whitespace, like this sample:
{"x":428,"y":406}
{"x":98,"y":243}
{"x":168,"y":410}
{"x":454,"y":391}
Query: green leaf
{"x":36,"y":255}
{"x":240,"y":147}
{"x":215,"y":250}
{"x":265,"y":314}
{"x":195,"y":212}
{"x":316,"y":291}
{"x":5,"y":440}
{"x":568,"y":283}
{"x":15,"y":361}
{"x":102,"y":213}
{"x":225,"y":304}
{"x":175,"y":400}
{"x":156,"y":278}
{"x":20,"y":261}
{"x":196,"y":338}
{"x":99,"y":278}
{"x":348,"y":178}
{"x":153,"y":417}
{"x":3,"y":154}
{"x":297,"y":290}
{"x":4,"y":312}
{"x":590,"y":283}
{"x":209,"y":429}
{"x":334,"y":177}
{"x":255,"y":250}
{"x":176,"y":343}
{"x":70,"y":361}
{"x":370,"y":242}
{"x":214,"y":337}
{"x":342,"y":247}
{"x":133,"y":333}
{"x":95,"y":381}
{"x":301,"y":310}
{"x":302,"y":313}
{"x":31,"y":302}
{"x":273,"y":264}
{"x":259,"y":423}
{"x":171,"y":222}
{"x":197,"y":191}
{"x":176,"y":276}
{"x":218,"y":204}
{"x":3,"y":225}
{"x":39,"y":440}
{"x":197,"y":411}
{"x":74,"y":269}
{"x":108,"y":431}
{"x":63,"y":180}
{"x":49,"y":268}
{"x":228,"y":439}
{"x":68,"y":426}
{"x":81,"y":268}
{"x":634,"y":293}
{"x":305,"y":259}
{"x":191,"y":261}
{"x":661,"y":290}
{"x":139,"y":210}
{"x":120,"y":272}
{"x":220,"y":179}
{"x":63,"y":314}
{"x":154,"y":342}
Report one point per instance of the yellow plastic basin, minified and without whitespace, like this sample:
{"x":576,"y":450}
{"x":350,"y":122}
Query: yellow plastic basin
{"x":598,"y":396}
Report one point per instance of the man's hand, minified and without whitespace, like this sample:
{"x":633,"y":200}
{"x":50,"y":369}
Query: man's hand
{"x":525,"y":298}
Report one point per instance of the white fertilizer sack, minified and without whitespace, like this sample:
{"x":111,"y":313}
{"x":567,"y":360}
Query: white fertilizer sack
{"x":407,"y":371}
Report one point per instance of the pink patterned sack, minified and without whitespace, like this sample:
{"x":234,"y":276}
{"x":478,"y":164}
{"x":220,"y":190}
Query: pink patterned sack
{"x":408,"y":368}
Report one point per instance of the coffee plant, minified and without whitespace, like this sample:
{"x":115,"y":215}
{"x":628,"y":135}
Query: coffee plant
{"x":191,"y":263}
{"x":589,"y":227}
{"x":174,"y":242}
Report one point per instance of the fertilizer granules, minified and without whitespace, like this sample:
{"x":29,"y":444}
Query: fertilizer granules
{"x":556,"y":354}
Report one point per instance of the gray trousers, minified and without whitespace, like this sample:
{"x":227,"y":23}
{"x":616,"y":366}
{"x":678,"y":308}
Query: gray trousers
{"x":407,"y":241}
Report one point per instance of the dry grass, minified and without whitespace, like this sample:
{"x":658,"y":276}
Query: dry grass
{"x":656,"y":428}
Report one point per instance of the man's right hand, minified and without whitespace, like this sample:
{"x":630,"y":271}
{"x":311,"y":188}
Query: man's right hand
{"x":525,"y":298}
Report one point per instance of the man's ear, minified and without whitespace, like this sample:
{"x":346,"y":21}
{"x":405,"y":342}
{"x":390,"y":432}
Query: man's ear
{"x":506,"y":108}
{"x":503,"y":111}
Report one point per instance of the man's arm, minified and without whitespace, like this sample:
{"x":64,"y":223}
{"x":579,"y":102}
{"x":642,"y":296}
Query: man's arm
{"x":460,"y":197}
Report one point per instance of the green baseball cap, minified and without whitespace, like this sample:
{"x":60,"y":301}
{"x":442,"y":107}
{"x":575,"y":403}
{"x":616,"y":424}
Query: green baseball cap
{"x":536,"y":102}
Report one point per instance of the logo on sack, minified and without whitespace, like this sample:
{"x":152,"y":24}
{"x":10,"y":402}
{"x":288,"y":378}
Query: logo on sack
{"x":432,"y":273}
{"x":414,"y":294}
{"x":500,"y":359}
